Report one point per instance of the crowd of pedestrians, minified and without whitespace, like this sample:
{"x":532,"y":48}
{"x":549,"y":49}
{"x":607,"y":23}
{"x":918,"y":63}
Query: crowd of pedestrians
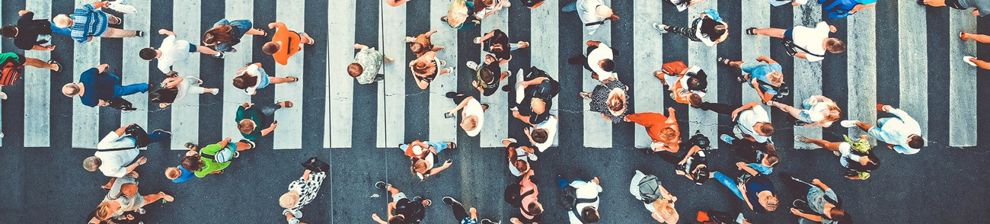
{"x":118,"y":154}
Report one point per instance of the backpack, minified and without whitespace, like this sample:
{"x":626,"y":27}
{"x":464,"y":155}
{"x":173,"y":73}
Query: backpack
{"x":225,"y":154}
{"x":649,"y":188}
{"x":859,"y":146}
{"x":12,"y":69}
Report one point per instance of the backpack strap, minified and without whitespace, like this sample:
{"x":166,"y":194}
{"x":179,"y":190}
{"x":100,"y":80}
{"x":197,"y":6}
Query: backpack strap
{"x":595,"y":23}
{"x":574,"y":209}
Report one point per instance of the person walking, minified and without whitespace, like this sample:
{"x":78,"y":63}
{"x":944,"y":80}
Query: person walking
{"x":901,"y":132}
{"x":367,"y":65}
{"x":118,"y":153}
{"x":534,"y":97}
{"x":840,"y":9}
{"x":213,"y":158}
{"x":663,"y":130}
{"x":980,"y":7}
{"x":472,"y":112}
{"x":809,"y":43}
{"x":593,"y":13}
{"x":173,"y":51}
{"x":757,"y":191}
{"x":285,"y":43}
{"x":766,"y":76}
{"x":660,"y":202}
{"x":401,"y":209}
{"x":253,"y":77}
{"x":459,"y":15}
{"x":816,"y":111}
{"x":694,"y":165}
{"x":979,"y":38}
{"x":610,"y":99}
{"x":497,"y":43}
{"x":175,"y":88}
{"x":425,"y":68}
{"x":584,"y":208}
{"x":302,"y":191}
{"x":89,"y":21}
{"x":488,"y":76}
{"x":225,"y":34}
{"x":683,"y":82}
{"x":251,"y":119}
{"x":123,"y":198}
{"x":520,"y":157}
{"x":856,"y":155}
{"x":816,"y":202}
{"x":421,"y":44}
{"x":464,"y":216}
{"x":423,"y":157}
{"x":29,"y":33}
{"x":599,"y":61}
{"x":525,"y":195}
{"x":12,"y":68}
{"x":708,"y":28}
{"x":99,"y":87}
{"x":752,"y":121}
{"x":542,"y":134}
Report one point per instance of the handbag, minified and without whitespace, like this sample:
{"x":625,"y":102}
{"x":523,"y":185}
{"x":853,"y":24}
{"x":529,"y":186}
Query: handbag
{"x":122,"y":104}
{"x":316,"y":165}
{"x":140,"y":136}
{"x":792,"y":49}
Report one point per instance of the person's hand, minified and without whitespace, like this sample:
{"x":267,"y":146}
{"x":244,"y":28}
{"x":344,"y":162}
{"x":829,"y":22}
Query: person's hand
{"x":246,"y":105}
{"x":102,"y":67}
{"x":22,"y":12}
{"x":614,"y":17}
{"x":100,"y":4}
{"x":191,"y":153}
{"x":881,"y":107}
{"x":359,"y":46}
{"x":832,"y":29}
{"x":448,"y":163}
{"x":596,"y":181}
{"x":795,"y":211}
{"x":134,"y":174}
{"x":740,"y":165}
{"x":227,"y":139}
{"x":142,"y":160}
{"x":816,"y":181}
{"x":274,"y":125}
{"x":50,"y":47}
{"x":735,"y":113}
{"x":272,"y":25}
{"x":976,"y":12}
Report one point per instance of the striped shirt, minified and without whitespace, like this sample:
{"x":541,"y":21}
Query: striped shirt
{"x":88,"y":21}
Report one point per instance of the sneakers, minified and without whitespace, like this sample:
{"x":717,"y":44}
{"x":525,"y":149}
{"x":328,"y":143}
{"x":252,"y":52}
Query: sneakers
{"x":472,"y":65}
{"x":848,"y":123}
{"x":214,"y":91}
{"x":660,"y":27}
{"x":190,"y":145}
{"x":726,"y":138}
{"x":219,"y":55}
{"x":449,"y":200}
{"x":450,"y":94}
{"x":968,"y":60}
{"x":381,"y":185}
{"x":138,"y":33}
{"x":249,"y":142}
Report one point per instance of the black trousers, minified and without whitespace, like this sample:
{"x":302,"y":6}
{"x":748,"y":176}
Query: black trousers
{"x":799,"y":190}
{"x":687,"y":32}
{"x":718,"y":107}
{"x":459,"y":212}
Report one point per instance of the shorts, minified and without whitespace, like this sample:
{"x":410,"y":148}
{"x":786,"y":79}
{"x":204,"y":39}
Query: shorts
{"x":263,"y":79}
{"x":192,"y":48}
{"x":789,"y":34}
{"x":398,"y":196}
{"x":240,"y":27}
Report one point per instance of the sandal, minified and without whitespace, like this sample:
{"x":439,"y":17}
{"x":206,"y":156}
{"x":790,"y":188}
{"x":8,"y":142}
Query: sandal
{"x":292,"y":78}
{"x":452,"y":145}
{"x":58,"y":66}
{"x":751,"y":31}
{"x":724,"y":61}
{"x":286,"y":104}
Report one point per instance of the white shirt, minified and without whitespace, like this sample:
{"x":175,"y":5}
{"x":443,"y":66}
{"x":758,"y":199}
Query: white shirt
{"x":811,"y":39}
{"x":585,"y":190}
{"x":845,"y":152}
{"x":521,"y":155}
{"x":601,"y":53}
{"x":895,"y":131}
{"x":473,"y":108}
{"x":683,"y":80}
{"x":113,"y":163}
{"x":551,"y":126}
{"x":785,"y":2}
{"x":747,"y":119}
{"x":255,"y":71}
{"x":586,"y":11}
{"x":173,"y":51}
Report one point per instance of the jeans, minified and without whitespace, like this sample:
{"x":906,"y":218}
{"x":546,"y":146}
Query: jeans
{"x":440,"y":146}
{"x":729,"y":183}
{"x":159,"y":135}
{"x":459,"y":212}
{"x":120,"y":91}
{"x":569,"y":7}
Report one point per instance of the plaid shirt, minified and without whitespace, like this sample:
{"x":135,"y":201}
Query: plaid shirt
{"x":88,"y":21}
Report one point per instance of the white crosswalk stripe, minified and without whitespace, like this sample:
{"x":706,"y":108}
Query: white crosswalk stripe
{"x":807,"y":75}
{"x":546,"y":44}
{"x":962,"y":81}
{"x":862,"y":68}
{"x":37,"y":84}
{"x":288,"y":135}
{"x":649,"y":93}
{"x":392,"y":92}
{"x":597,"y":131}
{"x":913,"y":49}
{"x":496,"y":123}
{"x":235,"y":10}
{"x":704,"y":57}
{"x":340,"y":88}
{"x":85,"y":119}
{"x":441,"y":128}
{"x":185,"y":23}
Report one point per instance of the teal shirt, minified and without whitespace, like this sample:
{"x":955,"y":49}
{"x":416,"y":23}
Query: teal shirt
{"x":255,"y":115}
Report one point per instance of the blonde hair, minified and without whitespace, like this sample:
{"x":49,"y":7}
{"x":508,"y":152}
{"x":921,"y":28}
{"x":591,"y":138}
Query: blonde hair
{"x":103,"y":211}
{"x":91,"y":163}
{"x":289,"y":199}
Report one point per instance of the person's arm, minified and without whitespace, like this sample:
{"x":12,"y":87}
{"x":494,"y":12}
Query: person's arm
{"x":166,"y":32}
{"x":859,"y":7}
{"x":133,"y":166}
{"x":272,"y":25}
{"x":692,"y":151}
{"x":270,"y":129}
{"x":435,"y":171}
{"x":745,"y":198}
{"x":535,"y":81}
{"x":102,"y":68}
{"x":306,"y":174}
{"x":766,"y":59}
{"x":23,"y":12}
{"x":764,"y":96}
{"x":671,"y":116}
{"x":223,"y":143}
{"x":818,"y":183}
{"x":976,"y":12}
{"x":377,"y":219}
{"x":460,"y":106}
{"x":523,"y":118}
{"x":748,"y":106}
{"x":593,"y":43}
{"x":360,"y":46}
{"x":39,"y":47}
{"x":744,"y":167}
{"x":803,"y":215}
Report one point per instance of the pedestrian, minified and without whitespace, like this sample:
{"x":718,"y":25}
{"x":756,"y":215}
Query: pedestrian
{"x":175,"y":88}
{"x":708,"y":28}
{"x":524,"y":194}
{"x":406,"y":210}
{"x":117,"y":154}
{"x":302,"y":191}
{"x":809,"y":43}
{"x":421,"y":44}
{"x":458,"y":15}
{"x":684,"y":4}
{"x":472,"y":112}
{"x":520,"y":157}
{"x":752,"y":121}
{"x":123,"y":198}
{"x":250,"y":119}
{"x":816,"y":202}
{"x":757,"y":191}
{"x":253,"y":77}
{"x":979,"y":38}
{"x":583,"y":196}
{"x":497,"y":43}
{"x":285,"y":43}
{"x":593,"y":13}
{"x":761,"y":157}
{"x":488,"y":76}
{"x":89,"y":21}
{"x":12,"y":68}
{"x":840,"y":9}
{"x":29,"y":33}
{"x":172,"y":51}
{"x":694,"y":165}
{"x":367,"y":65}
{"x":599,"y":61}
{"x":766,"y":76}
{"x":663,"y":130}
{"x":180,"y":174}
{"x":469,"y":216}
{"x":660,"y":202}
{"x":687,"y":81}
{"x":534,"y":98}
{"x":213,"y":158}
{"x":425,"y":69}
{"x":854,"y":154}
{"x":423,"y":156}
{"x":485,"y":8}
{"x":542,"y":134}
{"x":980,"y":7}
{"x":225,"y":34}
{"x":816,"y":111}
{"x":901,"y":132}
{"x":610,"y":99}
{"x":100,"y":87}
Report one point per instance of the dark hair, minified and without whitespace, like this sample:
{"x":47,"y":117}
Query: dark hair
{"x":534,"y":209}
{"x":767,"y":128}
{"x":148,"y":53}
{"x":590,"y":214}
{"x":164,"y":95}
{"x":698,"y":81}
{"x":244,"y":81}
{"x":838,"y":214}
{"x":835,"y":46}
{"x":916,"y":142}
{"x":398,"y":219}
{"x":539,"y":135}
{"x":608,"y":65}
{"x":702,"y":174}
{"x":355,"y":70}
{"x":220,"y":34}
{"x":270,"y":48}
{"x":192,"y":163}
{"x":713,"y":29}
{"x":773,"y":159}
{"x":8,"y":31}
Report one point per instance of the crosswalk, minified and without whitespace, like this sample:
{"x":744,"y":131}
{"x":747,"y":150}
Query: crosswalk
{"x":399,"y":117}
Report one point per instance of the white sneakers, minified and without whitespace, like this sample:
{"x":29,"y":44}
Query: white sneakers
{"x":968,"y":59}
{"x":848,"y":123}
{"x":660,"y":27}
